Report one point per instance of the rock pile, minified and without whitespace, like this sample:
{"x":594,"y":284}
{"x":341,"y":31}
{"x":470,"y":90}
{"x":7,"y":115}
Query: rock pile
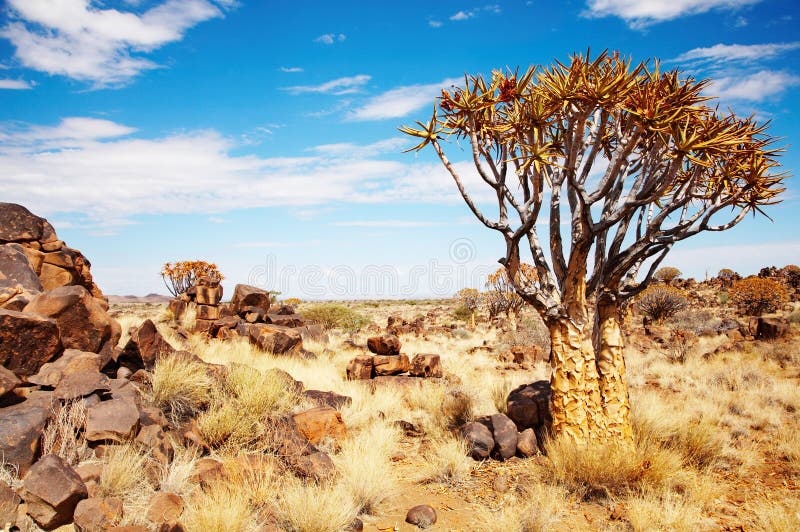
{"x":388,"y":361}
{"x":204,"y":298}
{"x":518,"y":431}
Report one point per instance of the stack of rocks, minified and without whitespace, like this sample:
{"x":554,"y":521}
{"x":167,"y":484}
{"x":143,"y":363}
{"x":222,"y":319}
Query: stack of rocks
{"x":204,"y":298}
{"x":387,"y":361}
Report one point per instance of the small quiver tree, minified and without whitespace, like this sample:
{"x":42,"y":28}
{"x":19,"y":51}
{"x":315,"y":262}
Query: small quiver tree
{"x":469,"y":300}
{"x":631,"y":160}
{"x":667,"y":274}
{"x":181,"y":275}
{"x":753,"y":296}
{"x":502,"y":297}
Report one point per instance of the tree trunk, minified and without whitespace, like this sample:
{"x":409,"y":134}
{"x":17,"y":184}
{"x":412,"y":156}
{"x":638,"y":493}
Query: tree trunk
{"x":611,"y":370}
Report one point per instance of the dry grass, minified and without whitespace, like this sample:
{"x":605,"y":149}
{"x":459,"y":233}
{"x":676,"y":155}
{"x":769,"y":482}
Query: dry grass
{"x":220,"y":507}
{"x":310,"y":507}
{"x":665,"y":512}
{"x":445,"y":461}
{"x":181,"y":387}
{"x":536,"y":508}
{"x":776,"y":514}
{"x":61,"y":434}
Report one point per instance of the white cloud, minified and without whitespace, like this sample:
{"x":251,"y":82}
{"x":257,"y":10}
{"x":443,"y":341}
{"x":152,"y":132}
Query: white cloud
{"x":274,"y":244}
{"x":400,"y":101}
{"x":330,"y":38}
{"x":642,"y":13}
{"x":14,"y":84}
{"x":472,"y":13}
{"x":217,"y":220}
{"x":347,"y":149}
{"x":728,"y":53}
{"x":291,"y":70}
{"x":77,"y":39}
{"x":755,"y":87}
{"x":339,"y":86}
{"x":89,"y":166}
{"x":463,"y":15}
{"x":434,"y":24}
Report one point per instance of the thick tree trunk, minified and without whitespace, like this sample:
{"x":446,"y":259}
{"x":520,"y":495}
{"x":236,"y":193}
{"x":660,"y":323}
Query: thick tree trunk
{"x":611,"y":370}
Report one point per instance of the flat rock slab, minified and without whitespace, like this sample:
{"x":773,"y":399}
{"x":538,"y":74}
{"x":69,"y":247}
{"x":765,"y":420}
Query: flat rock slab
{"x":27,"y":341}
{"x":52,"y":490}
{"x":115,"y":420}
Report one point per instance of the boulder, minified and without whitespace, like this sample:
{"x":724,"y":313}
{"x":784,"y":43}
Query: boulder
{"x":83,"y":323}
{"x":52,"y":490}
{"x":81,"y":384}
{"x":27,"y":341}
{"x":16,"y":269}
{"x":144,"y":347}
{"x":276,"y":339}
{"x":249,"y":296}
{"x":421,"y":516}
{"x":97,"y":514}
{"x":527,"y":444}
{"x":528,"y":405}
{"x":360,"y":368}
{"x":154,"y":440}
{"x":313,"y":331}
{"x":8,"y":381}
{"x":316,"y":466}
{"x":479,"y":439}
{"x":178,"y":308}
{"x":527,"y":354}
{"x":390,"y":364}
{"x":208,"y":295}
{"x":164,"y":507}
{"x":70,"y":362}
{"x":18,"y":224}
{"x":319,"y":423}
{"x":287,"y":320}
{"x":771,"y":328}
{"x":254,"y":315}
{"x":425,"y":365}
{"x":207,"y":312}
{"x":53,"y":277}
{"x":203,"y":326}
{"x":331,"y":399}
{"x":288,"y":441}
{"x":387,"y":344}
{"x":504,"y":432}
{"x":21,"y":427}
{"x":116,"y":420}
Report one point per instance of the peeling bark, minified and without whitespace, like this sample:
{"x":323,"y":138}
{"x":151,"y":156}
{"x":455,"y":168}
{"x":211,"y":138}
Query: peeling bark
{"x":613,"y":385}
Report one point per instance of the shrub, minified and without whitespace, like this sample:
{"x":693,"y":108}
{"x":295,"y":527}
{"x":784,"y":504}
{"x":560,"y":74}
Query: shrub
{"x":469,"y":298}
{"x":661,"y":301}
{"x":754,"y":296}
{"x":336,"y":316}
{"x":792,"y":275}
{"x":462,"y":313}
{"x":179,"y":276}
{"x":294,"y":301}
{"x":667,"y":274}
{"x":726,"y":274}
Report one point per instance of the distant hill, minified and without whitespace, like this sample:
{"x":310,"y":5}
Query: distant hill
{"x":149,"y":298}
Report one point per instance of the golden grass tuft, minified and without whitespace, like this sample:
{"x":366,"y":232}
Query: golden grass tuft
{"x":446,"y":461}
{"x":220,"y":507}
{"x":536,"y":508}
{"x":181,"y":386}
{"x":665,"y":512}
{"x":61,"y":434}
{"x":310,"y":507}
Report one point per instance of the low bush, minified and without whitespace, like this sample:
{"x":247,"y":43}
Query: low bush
{"x":336,"y":316}
{"x":754,"y":296}
{"x":661,"y":301}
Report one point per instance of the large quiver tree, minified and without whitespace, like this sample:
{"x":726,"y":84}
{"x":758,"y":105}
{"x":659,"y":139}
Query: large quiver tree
{"x":630,"y":160}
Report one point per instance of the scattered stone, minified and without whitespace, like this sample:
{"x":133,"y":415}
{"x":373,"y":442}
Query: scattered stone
{"x":8,"y":381}
{"x":27,"y":341}
{"x":81,"y":384}
{"x":331,"y":399}
{"x":317,"y":466}
{"x":96,"y":514}
{"x":387,"y":344}
{"x":319,"y":423}
{"x":500,"y":484}
{"x":527,"y":445}
{"x":116,"y":420}
{"x":360,"y":368}
{"x":154,"y":440}
{"x":52,"y":490}
{"x":208,"y":471}
{"x":82,"y":322}
{"x":21,"y":427}
{"x":426,"y":365}
{"x":390,"y":364}
{"x":528,"y":406}
{"x":479,"y":440}
{"x":249,"y":296}
{"x":164,"y":507}
{"x":276,"y":339}
{"x":421,"y":516}
{"x":505,"y":436}
{"x":70,"y":362}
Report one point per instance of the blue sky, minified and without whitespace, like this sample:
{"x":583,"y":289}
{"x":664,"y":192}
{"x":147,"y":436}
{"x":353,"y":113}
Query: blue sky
{"x":263,"y":135}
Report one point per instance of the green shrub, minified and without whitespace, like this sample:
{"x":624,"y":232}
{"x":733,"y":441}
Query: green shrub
{"x":462,"y":313}
{"x":336,"y":316}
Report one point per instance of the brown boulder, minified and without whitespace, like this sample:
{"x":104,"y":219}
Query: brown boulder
{"x":527,"y":445}
{"x":317,"y":466}
{"x":527,"y":354}
{"x":72,"y":361}
{"x":178,"y":308}
{"x":249,"y":296}
{"x":479,"y":439}
{"x":154,"y":440}
{"x":97,"y":514}
{"x":331,"y":399}
{"x":207,"y":312}
{"x":421,"y":516}
{"x":276,"y":339}
{"x":9,"y":506}
{"x":27,"y":341}
{"x":81,"y":384}
{"x":771,"y":328}
{"x":164,"y":507}
{"x":360,"y":368}
{"x":115,"y":420}
{"x":387,"y":344}
{"x":390,"y":364}
{"x":504,"y":432}
{"x":53,"y":277}
{"x":144,"y":347}
{"x":8,"y":381}
{"x":52,"y":490}
{"x":528,"y":405}
{"x":208,"y":295}
{"x":425,"y":365}
{"x":319,"y":423}
{"x":16,"y":269}
{"x":21,"y":427}
{"x":83,"y":323}
{"x":286,"y":320}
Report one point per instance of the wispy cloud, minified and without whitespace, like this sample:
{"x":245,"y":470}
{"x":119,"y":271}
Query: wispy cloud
{"x":755,"y":87}
{"x":15,"y":84}
{"x":331,"y":38}
{"x":291,"y":70}
{"x":348,"y":149}
{"x":339,"y":86}
{"x":107,"y":47}
{"x":472,"y":13}
{"x":400,"y":101}
{"x":385,"y":223}
{"x":217,"y":220}
{"x":435,"y":23}
{"x":728,"y":53}
{"x":462,"y":15}
{"x":274,"y":244}
{"x":642,"y":13}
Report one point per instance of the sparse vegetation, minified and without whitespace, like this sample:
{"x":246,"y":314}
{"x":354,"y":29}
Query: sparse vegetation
{"x":336,"y":316}
{"x":181,"y":275}
{"x":754,"y":296}
{"x":658,"y":302}
{"x":667,"y":274}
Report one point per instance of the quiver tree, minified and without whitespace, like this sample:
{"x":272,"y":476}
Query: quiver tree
{"x":632,"y":160}
{"x":181,"y":275}
{"x":501,"y":296}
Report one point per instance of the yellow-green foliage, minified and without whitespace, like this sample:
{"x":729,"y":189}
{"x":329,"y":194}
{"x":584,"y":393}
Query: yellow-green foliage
{"x":754,"y":296}
{"x":336,"y":316}
{"x":181,"y":386}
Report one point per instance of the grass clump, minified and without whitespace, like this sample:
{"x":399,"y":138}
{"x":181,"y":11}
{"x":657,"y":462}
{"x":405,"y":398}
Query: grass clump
{"x":181,"y":386}
{"x":310,"y":507}
{"x":446,"y":462}
{"x":336,"y":316}
{"x":220,"y":507}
